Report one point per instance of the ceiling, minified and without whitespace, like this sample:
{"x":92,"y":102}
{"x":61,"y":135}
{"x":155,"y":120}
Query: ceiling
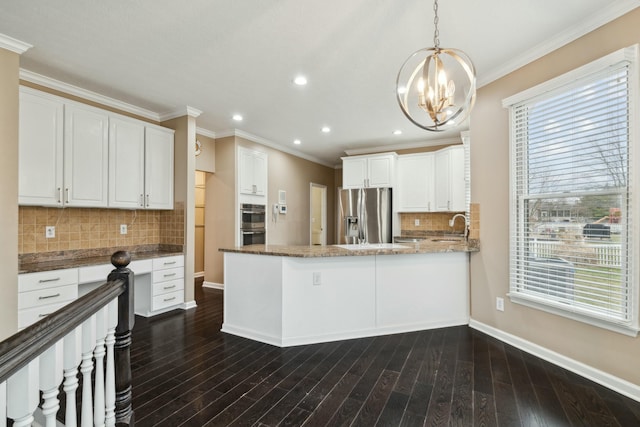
{"x":226,"y":57}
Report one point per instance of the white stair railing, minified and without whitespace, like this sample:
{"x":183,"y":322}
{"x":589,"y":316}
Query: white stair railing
{"x":54,"y":350}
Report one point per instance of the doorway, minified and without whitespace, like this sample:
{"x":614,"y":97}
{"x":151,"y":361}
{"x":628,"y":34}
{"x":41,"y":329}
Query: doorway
{"x":318,"y":214}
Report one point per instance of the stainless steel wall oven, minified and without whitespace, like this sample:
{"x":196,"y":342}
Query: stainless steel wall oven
{"x":252,"y":228}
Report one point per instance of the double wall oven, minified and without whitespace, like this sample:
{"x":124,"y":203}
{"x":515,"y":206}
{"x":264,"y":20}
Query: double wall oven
{"x":252,"y":228}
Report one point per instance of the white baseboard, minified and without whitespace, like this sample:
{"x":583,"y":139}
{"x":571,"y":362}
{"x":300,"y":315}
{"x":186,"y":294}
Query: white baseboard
{"x":212,"y":285}
{"x":189,"y":305}
{"x":198,"y":274}
{"x":619,"y":385}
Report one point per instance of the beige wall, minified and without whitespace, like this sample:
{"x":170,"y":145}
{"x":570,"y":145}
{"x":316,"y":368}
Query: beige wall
{"x":9,"y":69}
{"x":206,"y":161}
{"x":285,"y":172}
{"x":610,"y":352}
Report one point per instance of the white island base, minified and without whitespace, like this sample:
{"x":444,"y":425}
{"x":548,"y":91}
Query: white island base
{"x":287,"y":301}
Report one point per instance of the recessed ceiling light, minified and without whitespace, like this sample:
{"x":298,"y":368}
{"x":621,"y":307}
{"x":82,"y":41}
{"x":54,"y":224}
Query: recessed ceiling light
{"x":397,"y":132}
{"x":326,"y":129}
{"x":237,"y":117}
{"x":297,"y":141}
{"x":300,"y":80}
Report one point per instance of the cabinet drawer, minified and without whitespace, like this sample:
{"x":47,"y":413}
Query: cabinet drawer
{"x":167,"y":287}
{"x":47,"y":296}
{"x":167,"y":300}
{"x":168,"y":262}
{"x":32,"y":315}
{"x":47,"y":279}
{"x":168,"y":274}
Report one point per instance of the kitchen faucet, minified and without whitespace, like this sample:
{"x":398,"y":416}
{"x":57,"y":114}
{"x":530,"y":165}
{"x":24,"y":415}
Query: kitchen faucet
{"x":466,"y":224}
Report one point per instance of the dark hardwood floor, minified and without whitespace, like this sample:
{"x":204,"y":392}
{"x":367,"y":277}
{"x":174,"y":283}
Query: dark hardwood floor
{"x":187,"y":373}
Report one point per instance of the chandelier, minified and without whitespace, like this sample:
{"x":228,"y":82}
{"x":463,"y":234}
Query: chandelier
{"x":436,"y":87}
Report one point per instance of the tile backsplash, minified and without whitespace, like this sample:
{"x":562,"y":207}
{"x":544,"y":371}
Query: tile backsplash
{"x":439,"y":221}
{"x":85,"y":228}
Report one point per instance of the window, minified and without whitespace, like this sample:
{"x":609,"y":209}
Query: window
{"x":573,"y":229}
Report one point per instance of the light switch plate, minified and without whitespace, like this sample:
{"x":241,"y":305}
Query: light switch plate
{"x":50,"y":231}
{"x":123,"y":228}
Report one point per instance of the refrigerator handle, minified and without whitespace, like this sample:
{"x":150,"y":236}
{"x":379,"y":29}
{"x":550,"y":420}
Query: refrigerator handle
{"x":362,"y":214}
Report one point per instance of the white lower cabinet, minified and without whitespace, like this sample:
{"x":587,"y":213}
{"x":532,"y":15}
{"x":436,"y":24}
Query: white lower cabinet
{"x":164,"y":290}
{"x":42,"y":293}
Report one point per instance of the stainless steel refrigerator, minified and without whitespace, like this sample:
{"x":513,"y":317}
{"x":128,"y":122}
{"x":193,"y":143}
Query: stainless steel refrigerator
{"x":364,"y":216}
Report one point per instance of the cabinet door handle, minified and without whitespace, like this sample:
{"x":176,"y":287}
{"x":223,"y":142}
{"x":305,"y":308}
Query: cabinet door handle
{"x":141,"y":200}
{"x":169,"y":262}
{"x":169,"y":287}
{"x":43,"y":315}
{"x":66,"y":194}
{"x":49,"y":296}
{"x":48,"y":280}
{"x":254,"y":189}
{"x":147,"y":200}
{"x":170,"y":275}
{"x":59,"y":195}
{"x":169,"y":299}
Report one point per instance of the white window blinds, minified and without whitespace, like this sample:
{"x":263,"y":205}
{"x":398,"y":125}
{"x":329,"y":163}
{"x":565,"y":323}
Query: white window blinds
{"x":571,"y":248}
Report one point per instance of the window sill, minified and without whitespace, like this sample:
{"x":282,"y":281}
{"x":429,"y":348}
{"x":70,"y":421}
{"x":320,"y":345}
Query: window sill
{"x":628,"y":330}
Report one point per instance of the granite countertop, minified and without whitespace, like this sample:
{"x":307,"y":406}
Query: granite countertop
{"x":33,"y":263}
{"x":433,"y":244}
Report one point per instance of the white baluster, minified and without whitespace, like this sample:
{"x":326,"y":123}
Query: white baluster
{"x":3,"y":404}
{"x":98,"y":353}
{"x":72,"y":351}
{"x":88,"y":343}
{"x":50,"y":379}
{"x":110,"y":386}
{"x":23,"y":395}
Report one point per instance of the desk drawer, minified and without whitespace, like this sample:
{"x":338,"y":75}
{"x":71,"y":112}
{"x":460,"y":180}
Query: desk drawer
{"x":32,"y":315}
{"x":167,"y":287}
{"x":60,"y":294}
{"x":167,"y":300}
{"x":168,"y":274}
{"x":168,"y":262}
{"x":47,"y":279}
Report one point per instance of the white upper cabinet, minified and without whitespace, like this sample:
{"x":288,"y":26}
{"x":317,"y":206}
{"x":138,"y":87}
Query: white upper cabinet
{"x":126,"y":164}
{"x":72,"y":154}
{"x":415,"y":186}
{"x":158,"y":168}
{"x":369,"y":171}
{"x":252,"y":170}
{"x":450,"y":179}
{"x":40,"y":170}
{"x":86,"y":156}
{"x":63,"y":152}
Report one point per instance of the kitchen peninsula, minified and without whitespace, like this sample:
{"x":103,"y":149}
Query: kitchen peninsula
{"x":293,"y":295}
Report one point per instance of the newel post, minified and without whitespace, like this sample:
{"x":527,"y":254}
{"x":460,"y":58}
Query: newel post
{"x":126,"y":320}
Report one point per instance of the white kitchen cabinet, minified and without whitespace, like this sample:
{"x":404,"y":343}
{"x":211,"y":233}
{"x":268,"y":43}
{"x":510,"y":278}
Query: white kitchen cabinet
{"x":126,"y":164}
{"x":415,"y":187}
{"x":63,"y":149}
{"x":450,"y":179}
{"x":165,"y":290}
{"x":369,"y":171}
{"x":140,"y":165}
{"x":42,"y":293}
{"x":252,"y":170}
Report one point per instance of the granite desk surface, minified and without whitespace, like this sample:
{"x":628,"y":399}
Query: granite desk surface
{"x":424,"y":246}
{"x":33,"y":263}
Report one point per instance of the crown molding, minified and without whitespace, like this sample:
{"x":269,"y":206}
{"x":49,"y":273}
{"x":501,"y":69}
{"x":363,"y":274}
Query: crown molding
{"x":50,"y":83}
{"x":598,"y":19}
{"x":403,"y":146}
{"x":180,"y":112}
{"x":14,"y":45}
{"x":206,"y":132}
{"x":271,"y":144}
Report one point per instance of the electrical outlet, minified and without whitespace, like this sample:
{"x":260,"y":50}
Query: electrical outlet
{"x":123,"y":228}
{"x":50,"y":231}
{"x":317,"y":279}
{"x":499,"y":304}
{"x":416,"y":222}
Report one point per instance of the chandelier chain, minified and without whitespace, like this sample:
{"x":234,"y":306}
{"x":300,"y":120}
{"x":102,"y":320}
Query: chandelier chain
{"x":436,"y":32}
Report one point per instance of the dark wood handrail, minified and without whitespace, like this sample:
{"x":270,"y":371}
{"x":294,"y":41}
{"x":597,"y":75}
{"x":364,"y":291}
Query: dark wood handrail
{"x":23,"y":347}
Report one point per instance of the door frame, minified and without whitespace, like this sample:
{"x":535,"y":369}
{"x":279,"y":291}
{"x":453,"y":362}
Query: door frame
{"x":323,"y":213}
